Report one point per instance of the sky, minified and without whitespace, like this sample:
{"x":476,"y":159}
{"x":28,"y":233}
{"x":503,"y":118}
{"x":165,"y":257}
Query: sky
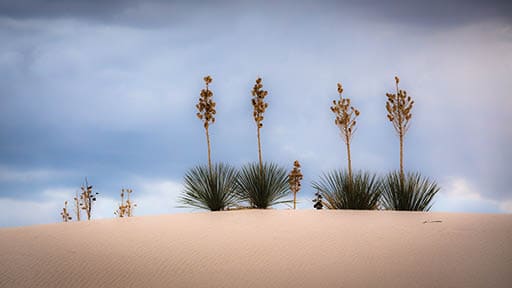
{"x":107,"y":90}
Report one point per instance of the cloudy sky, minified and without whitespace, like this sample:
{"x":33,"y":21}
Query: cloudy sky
{"x":107,"y":89}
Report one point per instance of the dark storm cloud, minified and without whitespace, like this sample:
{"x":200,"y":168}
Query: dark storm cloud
{"x":134,"y":12}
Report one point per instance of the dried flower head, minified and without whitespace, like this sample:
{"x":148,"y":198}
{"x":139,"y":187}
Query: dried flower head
{"x":258,"y":102}
{"x":206,"y":105}
{"x":295,"y":177}
{"x":345,"y":115}
{"x":399,"y":108}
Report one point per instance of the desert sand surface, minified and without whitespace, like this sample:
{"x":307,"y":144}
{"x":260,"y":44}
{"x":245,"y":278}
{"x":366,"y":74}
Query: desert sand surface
{"x":264,"y":248}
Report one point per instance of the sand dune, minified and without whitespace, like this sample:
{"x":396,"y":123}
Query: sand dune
{"x":256,"y":248}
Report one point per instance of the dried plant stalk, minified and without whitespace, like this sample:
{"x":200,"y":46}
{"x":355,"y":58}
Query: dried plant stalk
{"x":65,"y":214}
{"x":76,"y":200}
{"x":125,"y":209}
{"x":206,"y":112}
{"x":346,"y":121}
{"x":294,"y":179}
{"x":259,"y":105}
{"x":399,"y":108}
{"x":87,"y":198}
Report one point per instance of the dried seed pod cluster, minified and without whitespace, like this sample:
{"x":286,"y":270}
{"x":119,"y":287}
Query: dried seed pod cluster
{"x":206,"y":105}
{"x":258,"y":102}
{"x":125,"y":209}
{"x":294,"y":179}
{"x":65,"y":214}
{"x":345,"y":115}
{"x":399,"y":108}
{"x":87,"y":198}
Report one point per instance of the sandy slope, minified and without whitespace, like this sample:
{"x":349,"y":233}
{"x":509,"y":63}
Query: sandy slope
{"x":255,"y":248}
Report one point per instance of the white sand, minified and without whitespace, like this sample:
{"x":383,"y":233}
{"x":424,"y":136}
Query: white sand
{"x":256,"y":248}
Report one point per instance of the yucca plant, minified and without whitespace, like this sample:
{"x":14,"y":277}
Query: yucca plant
{"x":345,"y":119}
{"x":413,"y":193}
{"x":399,"y":108}
{"x":211,"y":189}
{"x":263,"y":186}
{"x":339,"y":192}
{"x":410,"y":192}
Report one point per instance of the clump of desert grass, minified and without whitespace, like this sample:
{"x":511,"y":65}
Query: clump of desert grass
{"x":340,"y":191}
{"x":412,"y":192}
{"x":294,"y":179}
{"x":263,"y":186}
{"x":125,"y":208}
{"x":65,"y":214}
{"x":403,"y":191}
{"x":212,"y":188}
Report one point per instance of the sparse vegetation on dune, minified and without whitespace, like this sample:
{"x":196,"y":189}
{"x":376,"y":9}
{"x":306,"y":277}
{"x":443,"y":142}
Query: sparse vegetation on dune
{"x":262,"y":184}
{"x":125,"y":208}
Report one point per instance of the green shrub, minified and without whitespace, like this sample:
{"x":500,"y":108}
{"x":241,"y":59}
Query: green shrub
{"x":263,"y":187}
{"x":414,"y":193}
{"x":339,"y":192}
{"x":212,"y":189}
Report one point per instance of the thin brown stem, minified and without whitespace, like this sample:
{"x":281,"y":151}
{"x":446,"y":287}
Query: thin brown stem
{"x":209,"y":149}
{"x":259,"y":151}
{"x":349,"y":161}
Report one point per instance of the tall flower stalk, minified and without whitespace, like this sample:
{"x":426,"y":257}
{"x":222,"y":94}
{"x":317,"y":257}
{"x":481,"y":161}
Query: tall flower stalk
{"x":87,"y":198}
{"x":76,"y":201}
{"x":399,"y":108}
{"x":346,"y":121}
{"x":294,"y":180}
{"x":259,"y":105}
{"x":206,"y":111}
